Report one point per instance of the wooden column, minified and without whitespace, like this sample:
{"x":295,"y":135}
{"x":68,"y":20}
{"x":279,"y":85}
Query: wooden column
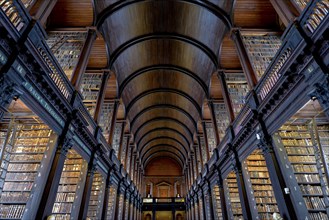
{"x":191,"y":170}
{"x":286,"y":10}
{"x":242,"y":187}
{"x":41,"y":10}
{"x":201,"y":197}
{"x":200,"y":151}
{"x":205,"y":136}
{"x":113,"y":121}
{"x":50,"y":190}
{"x":118,"y":202}
{"x":101,"y":95}
{"x":121,"y":140}
{"x":211,"y":202}
{"x":196,"y":159}
{"x":214,"y":122}
{"x":127,"y":150}
{"x":244,"y":59}
{"x":107,"y":194}
{"x":222,"y":195}
{"x":284,"y":202}
{"x":87,"y":187}
{"x":83,"y":59}
{"x":226,"y":95}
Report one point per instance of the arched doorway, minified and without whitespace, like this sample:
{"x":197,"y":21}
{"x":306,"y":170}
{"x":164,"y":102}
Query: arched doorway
{"x":148,"y":217}
{"x":179,"y":217}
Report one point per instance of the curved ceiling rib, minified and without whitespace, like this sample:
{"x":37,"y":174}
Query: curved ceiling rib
{"x":163,"y":139}
{"x":170,"y":148}
{"x":217,"y":11}
{"x":163,"y":153}
{"x":163,"y":65}
{"x":154,"y":122}
{"x":164,"y":90}
{"x":171,"y":36}
{"x":179,"y":69}
{"x":162,"y":131}
{"x":165,"y":107}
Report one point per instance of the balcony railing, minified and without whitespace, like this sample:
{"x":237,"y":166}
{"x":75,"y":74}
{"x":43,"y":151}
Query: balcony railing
{"x":157,"y":200}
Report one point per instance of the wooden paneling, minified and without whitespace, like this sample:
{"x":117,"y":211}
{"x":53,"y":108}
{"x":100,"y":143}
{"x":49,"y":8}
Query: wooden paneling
{"x":98,"y":55}
{"x":111,"y":88}
{"x":72,"y":13}
{"x":229,"y":58}
{"x":255,"y":14}
{"x":215,"y":88}
{"x":162,"y":167}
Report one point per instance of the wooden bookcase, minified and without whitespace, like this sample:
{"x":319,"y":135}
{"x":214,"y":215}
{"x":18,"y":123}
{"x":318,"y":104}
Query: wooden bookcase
{"x":259,"y":184}
{"x":89,"y":88}
{"x":238,"y":89}
{"x":233,"y":203}
{"x":67,"y":47}
{"x":96,"y":197}
{"x":306,"y":159}
{"x":74,"y":169}
{"x":22,"y":154}
{"x":261,"y":49}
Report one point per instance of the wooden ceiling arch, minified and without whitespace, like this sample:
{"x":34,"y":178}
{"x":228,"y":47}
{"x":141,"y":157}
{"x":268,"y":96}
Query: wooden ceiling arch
{"x":164,"y":140}
{"x":211,"y":7}
{"x":156,"y":36}
{"x":166,"y":108}
{"x":160,"y":132}
{"x":164,"y":96}
{"x":163,"y":66}
{"x":163,"y":153}
{"x":164,"y":122}
{"x":155,"y":148}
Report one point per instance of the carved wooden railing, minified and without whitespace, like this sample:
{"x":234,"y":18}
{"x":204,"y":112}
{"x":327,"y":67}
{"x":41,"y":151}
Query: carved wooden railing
{"x":315,"y":15}
{"x":15,"y":13}
{"x":55,"y":72}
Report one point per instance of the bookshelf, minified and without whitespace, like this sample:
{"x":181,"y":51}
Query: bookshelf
{"x":210,"y":137}
{"x":117,"y":138}
{"x":217,"y":202}
{"x":260,"y":184}
{"x":66,"y":47}
{"x":261,"y":49}
{"x":127,"y":208}
{"x":304,"y":156}
{"x":222,"y":119}
{"x":96,"y":197}
{"x":238,"y":89}
{"x":111,"y":202}
{"x":121,"y":205}
{"x":200,"y":206}
{"x":106,"y":118}
{"x":23,"y":152}
{"x":68,"y":185}
{"x":234,"y":208}
{"x":89,"y":88}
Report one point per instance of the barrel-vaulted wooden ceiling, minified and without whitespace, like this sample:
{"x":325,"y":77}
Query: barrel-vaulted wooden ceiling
{"x":163,"y":54}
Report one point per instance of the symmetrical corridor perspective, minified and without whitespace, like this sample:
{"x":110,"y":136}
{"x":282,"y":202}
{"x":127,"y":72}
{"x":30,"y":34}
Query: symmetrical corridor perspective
{"x":164,"y":109}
